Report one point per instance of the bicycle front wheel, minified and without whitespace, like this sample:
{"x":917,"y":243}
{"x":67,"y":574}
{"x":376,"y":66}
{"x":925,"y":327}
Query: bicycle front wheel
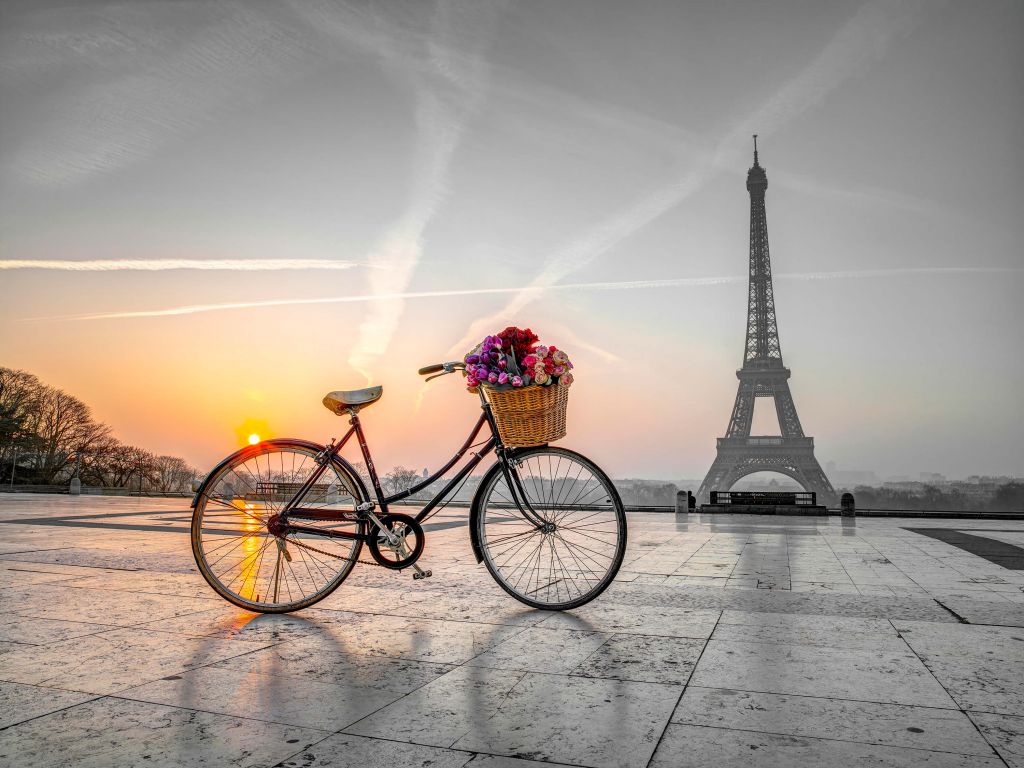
{"x":232,"y":538}
{"x":572,"y":553}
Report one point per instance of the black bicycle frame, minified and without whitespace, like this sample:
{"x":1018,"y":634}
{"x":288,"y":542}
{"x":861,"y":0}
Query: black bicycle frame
{"x":327,"y":455}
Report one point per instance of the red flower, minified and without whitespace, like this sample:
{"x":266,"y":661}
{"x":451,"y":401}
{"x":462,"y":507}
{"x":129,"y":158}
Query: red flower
{"x":518,"y":340}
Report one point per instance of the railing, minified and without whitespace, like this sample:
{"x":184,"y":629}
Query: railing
{"x":765,"y":498}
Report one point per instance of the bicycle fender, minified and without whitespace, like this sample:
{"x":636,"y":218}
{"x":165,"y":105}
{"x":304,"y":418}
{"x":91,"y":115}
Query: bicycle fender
{"x":475,"y":509}
{"x":255,"y":449}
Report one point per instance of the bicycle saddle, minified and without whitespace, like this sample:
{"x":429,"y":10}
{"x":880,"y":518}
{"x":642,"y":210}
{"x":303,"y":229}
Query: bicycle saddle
{"x":341,"y":401}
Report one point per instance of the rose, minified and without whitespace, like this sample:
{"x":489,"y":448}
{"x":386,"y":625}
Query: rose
{"x":542,"y":378}
{"x":559,"y":357}
{"x":529,"y":361}
{"x":566,"y":379}
{"x":541,"y":352}
{"x":517,"y":381}
{"x":549,"y":367}
{"x":559,"y":370}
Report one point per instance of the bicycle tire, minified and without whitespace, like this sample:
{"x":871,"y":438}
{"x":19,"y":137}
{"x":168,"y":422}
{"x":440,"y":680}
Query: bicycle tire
{"x":245,"y":490}
{"x":570,"y":492}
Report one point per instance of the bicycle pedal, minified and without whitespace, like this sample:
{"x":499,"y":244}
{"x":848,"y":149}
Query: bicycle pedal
{"x":419,"y":574}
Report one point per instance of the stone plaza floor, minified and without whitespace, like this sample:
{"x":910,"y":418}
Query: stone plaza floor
{"x":725,"y":641}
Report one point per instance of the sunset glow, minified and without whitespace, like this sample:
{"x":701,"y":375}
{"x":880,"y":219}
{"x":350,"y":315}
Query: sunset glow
{"x":199,"y":242}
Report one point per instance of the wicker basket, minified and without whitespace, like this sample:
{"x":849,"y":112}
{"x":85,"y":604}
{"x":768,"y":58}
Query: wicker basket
{"x":531,"y":415}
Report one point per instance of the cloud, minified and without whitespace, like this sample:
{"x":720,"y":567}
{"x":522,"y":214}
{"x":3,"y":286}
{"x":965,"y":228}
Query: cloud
{"x":162,"y":265}
{"x":140,"y":75}
{"x":860,"y":41}
{"x":672,"y":282}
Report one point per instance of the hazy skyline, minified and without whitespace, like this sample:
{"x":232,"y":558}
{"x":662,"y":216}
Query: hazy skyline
{"x":213,"y":213}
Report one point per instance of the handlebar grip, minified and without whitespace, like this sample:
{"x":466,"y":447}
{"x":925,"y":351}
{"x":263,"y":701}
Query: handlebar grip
{"x":431,"y":369}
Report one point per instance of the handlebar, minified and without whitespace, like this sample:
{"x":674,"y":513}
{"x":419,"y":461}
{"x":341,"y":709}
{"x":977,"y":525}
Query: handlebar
{"x":445,"y":367}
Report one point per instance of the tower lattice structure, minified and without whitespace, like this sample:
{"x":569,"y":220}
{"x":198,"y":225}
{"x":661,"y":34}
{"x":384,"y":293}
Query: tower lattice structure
{"x":763,"y":375}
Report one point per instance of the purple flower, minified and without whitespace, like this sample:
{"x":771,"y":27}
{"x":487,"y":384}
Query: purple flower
{"x":559,"y":370}
{"x":502,"y":363}
{"x":493,"y":377}
{"x":472,"y":359}
{"x":471,"y":381}
{"x":517,"y":381}
{"x":481,"y":372}
{"x":503,"y":378}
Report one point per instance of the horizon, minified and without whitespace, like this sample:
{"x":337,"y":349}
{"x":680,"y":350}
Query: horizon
{"x":213,"y":216}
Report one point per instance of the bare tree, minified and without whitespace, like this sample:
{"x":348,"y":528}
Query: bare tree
{"x":400,"y":479}
{"x":172,"y":474}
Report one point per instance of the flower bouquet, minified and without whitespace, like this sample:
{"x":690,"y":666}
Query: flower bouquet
{"x":526,"y":384}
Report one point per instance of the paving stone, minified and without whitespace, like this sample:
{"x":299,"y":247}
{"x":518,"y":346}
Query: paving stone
{"x":644,"y":658}
{"x":342,"y":751}
{"x":868,"y":722}
{"x":687,"y":746}
{"x":19,"y":703}
{"x":802,"y":642}
{"x":1005,"y":733}
{"x":576,"y":720}
{"x":894,"y":677}
{"x":981,"y":667}
{"x":541,"y":650}
{"x":115,"y":732}
{"x":112,"y":661}
{"x":276,"y":698}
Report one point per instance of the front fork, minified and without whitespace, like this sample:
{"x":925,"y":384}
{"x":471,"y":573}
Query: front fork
{"x":509,"y":467}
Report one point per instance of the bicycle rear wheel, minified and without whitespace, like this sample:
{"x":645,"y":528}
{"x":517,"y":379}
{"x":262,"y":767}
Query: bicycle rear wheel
{"x":575,"y":554}
{"x":233,"y":545}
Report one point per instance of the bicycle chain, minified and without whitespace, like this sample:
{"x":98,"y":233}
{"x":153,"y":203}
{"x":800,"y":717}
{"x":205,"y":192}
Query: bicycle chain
{"x":330,"y":554}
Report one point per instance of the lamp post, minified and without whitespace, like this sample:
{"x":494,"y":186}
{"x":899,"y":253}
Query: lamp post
{"x":14,"y":464}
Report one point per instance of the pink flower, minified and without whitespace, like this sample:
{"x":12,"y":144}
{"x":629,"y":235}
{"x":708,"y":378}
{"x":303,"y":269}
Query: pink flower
{"x":517,"y":381}
{"x":493,"y":377}
{"x":541,"y":352}
{"x":566,"y":379}
{"x":471,"y":381}
{"x":559,"y":370}
{"x":529,"y":361}
{"x":541,"y":377}
{"x":559,"y":357}
{"x":502,"y":363}
{"x":503,"y":378}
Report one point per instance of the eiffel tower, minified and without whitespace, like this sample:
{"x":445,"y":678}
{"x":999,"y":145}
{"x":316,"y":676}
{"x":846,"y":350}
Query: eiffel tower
{"x":763,"y":375}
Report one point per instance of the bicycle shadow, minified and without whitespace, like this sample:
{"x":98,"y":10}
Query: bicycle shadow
{"x":540,"y":713}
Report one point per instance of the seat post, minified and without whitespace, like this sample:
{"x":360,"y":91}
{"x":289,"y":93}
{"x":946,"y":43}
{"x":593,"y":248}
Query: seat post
{"x":365,"y":449}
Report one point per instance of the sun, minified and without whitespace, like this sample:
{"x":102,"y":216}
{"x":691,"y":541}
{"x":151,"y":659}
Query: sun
{"x":254,"y":438}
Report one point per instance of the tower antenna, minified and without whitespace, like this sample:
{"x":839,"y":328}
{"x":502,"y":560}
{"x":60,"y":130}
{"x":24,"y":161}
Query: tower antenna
{"x":755,"y":149}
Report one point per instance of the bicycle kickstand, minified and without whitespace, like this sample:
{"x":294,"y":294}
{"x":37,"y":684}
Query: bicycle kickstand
{"x":419,"y":573}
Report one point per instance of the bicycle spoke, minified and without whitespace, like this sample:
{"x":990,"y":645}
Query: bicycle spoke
{"x":237,"y":553}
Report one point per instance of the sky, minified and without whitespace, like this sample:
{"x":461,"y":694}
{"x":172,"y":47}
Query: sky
{"x":212,"y":213}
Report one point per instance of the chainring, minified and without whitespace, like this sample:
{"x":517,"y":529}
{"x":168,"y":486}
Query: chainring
{"x":408,"y":550}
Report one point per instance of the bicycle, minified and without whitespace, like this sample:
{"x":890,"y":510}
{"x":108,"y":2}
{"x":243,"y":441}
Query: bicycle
{"x":279,"y":525}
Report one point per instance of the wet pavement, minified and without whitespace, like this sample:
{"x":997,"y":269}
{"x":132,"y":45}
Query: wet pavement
{"x":725,"y":641}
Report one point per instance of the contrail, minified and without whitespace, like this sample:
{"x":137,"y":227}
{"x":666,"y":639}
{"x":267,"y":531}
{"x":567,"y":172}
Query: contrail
{"x":444,"y":103}
{"x":672,"y":282}
{"x":863,"y":38}
{"x":162,"y":265}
